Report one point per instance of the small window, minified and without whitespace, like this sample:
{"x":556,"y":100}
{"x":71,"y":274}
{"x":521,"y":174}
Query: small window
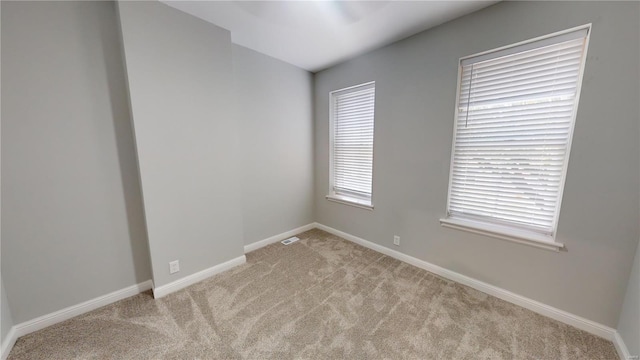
{"x":351,"y":144}
{"x":515,"y":113}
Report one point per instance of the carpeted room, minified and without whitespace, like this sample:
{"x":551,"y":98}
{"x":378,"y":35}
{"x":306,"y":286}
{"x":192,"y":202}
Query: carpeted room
{"x":323,"y":297}
{"x":127,"y":144}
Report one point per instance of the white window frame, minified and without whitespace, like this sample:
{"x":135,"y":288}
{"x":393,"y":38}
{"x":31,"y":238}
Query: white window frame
{"x":504,"y":231}
{"x":353,"y":200}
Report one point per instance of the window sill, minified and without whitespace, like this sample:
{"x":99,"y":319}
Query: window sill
{"x":504,"y":233}
{"x":363,"y":204}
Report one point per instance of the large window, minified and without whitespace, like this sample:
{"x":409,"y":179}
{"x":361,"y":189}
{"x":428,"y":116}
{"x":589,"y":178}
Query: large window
{"x":514,"y":119}
{"x":351,"y":144}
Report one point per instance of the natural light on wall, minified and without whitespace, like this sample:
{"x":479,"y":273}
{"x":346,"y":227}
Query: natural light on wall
{"x":515,"y":113}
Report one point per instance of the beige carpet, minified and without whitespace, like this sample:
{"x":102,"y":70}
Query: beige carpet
{"x":322,"y":297}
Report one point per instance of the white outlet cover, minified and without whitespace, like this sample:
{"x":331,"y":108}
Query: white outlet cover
{"x":174,"y":267}
{"x":396,"y":240}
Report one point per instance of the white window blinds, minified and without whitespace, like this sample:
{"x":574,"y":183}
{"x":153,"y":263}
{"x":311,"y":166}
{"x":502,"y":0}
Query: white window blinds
{"x":352,"y":118}
{"x":514,"y":120}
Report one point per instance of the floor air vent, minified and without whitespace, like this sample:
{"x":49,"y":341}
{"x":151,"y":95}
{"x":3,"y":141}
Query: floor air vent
{"x":290,"y":240}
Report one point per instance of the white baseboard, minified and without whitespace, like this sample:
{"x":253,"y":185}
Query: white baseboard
{"x":180,"y":284}
{"x":621,"y":347}
{"x":8,"y":343}
{"x":538,"y":307}
{"x":270,"y":240}
{"x":535,"y":306}
{"x":43,"y":321}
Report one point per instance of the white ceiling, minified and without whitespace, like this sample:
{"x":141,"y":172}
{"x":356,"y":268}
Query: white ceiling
{"x":315,"y":35}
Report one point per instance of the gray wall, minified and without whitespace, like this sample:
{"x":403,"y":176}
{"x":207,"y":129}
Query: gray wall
{"x":274,"y":110}
{"x":72,"y":225}
{"x":415,"y":96}
{"x":181,"y":89}
{"x":629,"y":324}
{"x":6,"y":321}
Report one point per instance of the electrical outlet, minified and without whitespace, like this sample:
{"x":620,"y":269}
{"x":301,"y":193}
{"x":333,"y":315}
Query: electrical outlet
{"x":396,"y":240}
{"x":174,"y":267}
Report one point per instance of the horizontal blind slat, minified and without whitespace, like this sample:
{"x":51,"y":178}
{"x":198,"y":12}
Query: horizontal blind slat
{"x":495,"y":185}
{"x":522,"y":109}
{"x":522,"y":76}
{"x":537,"y":56}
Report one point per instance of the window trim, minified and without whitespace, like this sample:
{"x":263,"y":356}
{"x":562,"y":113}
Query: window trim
{"x":502,"y":232}
{"x":355,"y":201}
{"x":363,"y":204}
{"x":506,"y":232}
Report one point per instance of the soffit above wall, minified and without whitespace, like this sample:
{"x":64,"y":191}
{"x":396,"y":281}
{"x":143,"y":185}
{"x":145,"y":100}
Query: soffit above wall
{"x":315,"y":35}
